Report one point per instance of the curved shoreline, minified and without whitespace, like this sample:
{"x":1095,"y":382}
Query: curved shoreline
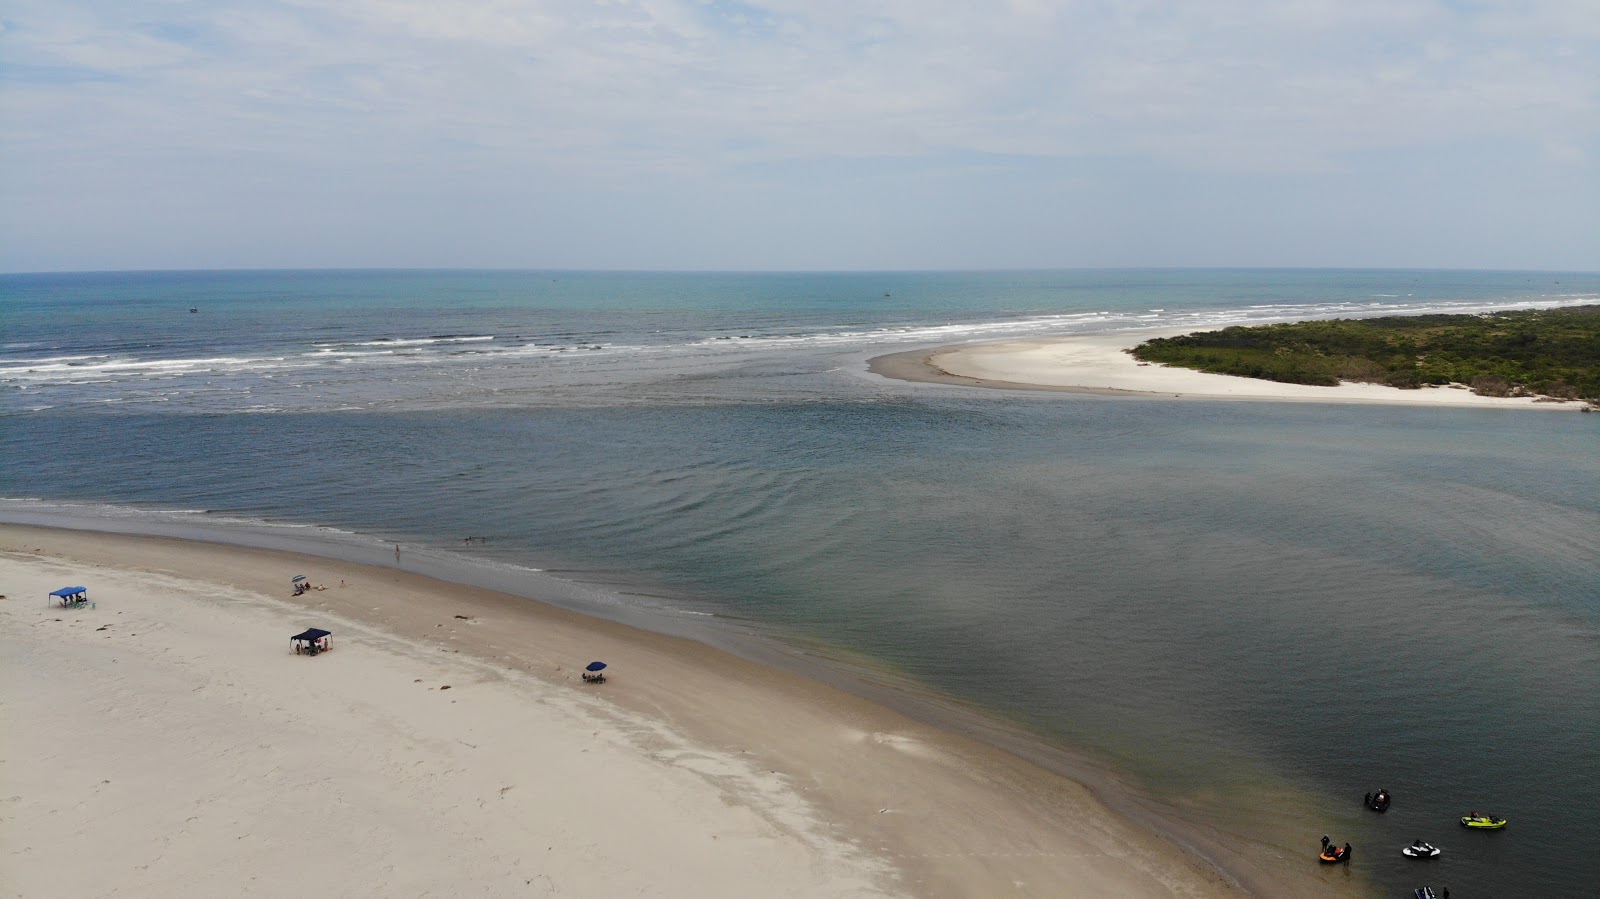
{"x":839,"y":746}
{"x":1099,"y":364}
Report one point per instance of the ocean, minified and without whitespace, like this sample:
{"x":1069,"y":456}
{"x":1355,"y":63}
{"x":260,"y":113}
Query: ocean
{"x":1249,"y":614}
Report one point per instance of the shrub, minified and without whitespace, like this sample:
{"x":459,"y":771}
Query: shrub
{"x":1555,"y":352}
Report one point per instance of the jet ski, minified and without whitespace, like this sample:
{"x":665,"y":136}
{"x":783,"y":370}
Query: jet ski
{"x":1332,"y":855}
{"x":1420,"y":849}
{"x":1379,"y":801}
{"x":1482,"y":822}
{"x":1424,"y":893}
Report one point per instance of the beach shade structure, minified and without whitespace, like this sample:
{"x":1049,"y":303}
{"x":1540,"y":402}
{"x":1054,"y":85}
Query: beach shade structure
{"x":594,"y":672}
{"x":311,"y":642}
{"x":72,"y":596}
{"x":301,"y":584}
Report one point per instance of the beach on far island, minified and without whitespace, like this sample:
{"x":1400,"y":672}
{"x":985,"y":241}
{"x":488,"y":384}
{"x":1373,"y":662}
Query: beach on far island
{"x":1100,"y":363}
{"x":445,"y":744}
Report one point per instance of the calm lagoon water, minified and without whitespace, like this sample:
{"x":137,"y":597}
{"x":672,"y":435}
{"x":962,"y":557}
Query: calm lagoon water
{"x":1254,"y":612}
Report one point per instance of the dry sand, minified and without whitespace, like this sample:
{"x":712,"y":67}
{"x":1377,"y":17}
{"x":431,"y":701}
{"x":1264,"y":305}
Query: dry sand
{"x":169,"y":743}
{"x":1099,"y":363}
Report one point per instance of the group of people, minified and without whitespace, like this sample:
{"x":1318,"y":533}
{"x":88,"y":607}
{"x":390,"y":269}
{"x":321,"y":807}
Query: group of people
{"x":1331,"y":850}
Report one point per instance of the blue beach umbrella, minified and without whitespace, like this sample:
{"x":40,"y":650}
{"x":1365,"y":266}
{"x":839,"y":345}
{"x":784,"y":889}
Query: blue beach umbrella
{"x":596,"y":666}
{"x":298,"y":578}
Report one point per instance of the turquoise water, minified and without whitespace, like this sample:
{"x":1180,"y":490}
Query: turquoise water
{"x":1208,"y":596}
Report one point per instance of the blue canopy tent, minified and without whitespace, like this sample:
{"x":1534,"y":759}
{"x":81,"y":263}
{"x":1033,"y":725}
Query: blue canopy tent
{"x":72,"y":596}
{"x":594,"y":672}
{"x":311,"y":642}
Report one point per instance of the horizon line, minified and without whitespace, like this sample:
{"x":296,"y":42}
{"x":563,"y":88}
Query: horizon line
{"x":775,"y":271}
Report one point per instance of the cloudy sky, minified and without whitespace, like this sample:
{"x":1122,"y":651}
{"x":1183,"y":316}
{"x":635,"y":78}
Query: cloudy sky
{"x":799,"y":134}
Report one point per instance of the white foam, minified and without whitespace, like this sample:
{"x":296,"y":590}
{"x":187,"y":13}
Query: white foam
{"x":47,"y":360}
{"x":124,"y":365}
{"x":415,"y":341}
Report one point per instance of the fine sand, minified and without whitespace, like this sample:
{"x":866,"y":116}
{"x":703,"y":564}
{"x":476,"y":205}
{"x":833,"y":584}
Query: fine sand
{"x":1099,"y":363}
{"x":168,"y":742}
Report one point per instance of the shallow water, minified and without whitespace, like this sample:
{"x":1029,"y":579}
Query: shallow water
{"x":1230,"y":602}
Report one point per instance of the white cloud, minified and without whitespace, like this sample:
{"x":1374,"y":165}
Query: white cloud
{"x":629,"y":92}
{"x":1204,"y":83}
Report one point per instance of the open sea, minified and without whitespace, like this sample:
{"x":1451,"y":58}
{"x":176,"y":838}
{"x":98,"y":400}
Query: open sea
{"x":1245,"y":615}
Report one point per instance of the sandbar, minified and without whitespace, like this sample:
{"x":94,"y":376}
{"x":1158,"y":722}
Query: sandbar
{"x":1100,"y":364}
{"x":168,"y":742}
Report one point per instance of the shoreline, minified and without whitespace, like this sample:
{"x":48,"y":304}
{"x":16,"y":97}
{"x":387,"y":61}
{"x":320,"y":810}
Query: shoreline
{"x":1099,"y":364}
{"x":854,"y":770}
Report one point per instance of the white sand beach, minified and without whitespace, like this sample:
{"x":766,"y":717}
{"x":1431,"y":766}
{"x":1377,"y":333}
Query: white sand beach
{"x":168,"y":742}
{"x":1100,"y":363}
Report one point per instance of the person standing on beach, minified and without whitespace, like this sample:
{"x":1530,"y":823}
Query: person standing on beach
{"x":397,"y":554}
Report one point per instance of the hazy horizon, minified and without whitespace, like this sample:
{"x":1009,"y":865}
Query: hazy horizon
{"x":773,"y":135}
{"x":792,"y":271}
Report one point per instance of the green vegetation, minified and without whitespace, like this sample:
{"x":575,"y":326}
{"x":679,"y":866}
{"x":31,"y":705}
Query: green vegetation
{"x":1546,"y":352}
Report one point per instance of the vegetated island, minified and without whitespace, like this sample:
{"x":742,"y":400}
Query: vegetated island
{"x":1551,"y":353}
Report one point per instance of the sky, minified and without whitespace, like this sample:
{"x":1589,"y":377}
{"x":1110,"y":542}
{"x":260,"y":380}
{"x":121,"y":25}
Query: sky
{"x":799,"y":134}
